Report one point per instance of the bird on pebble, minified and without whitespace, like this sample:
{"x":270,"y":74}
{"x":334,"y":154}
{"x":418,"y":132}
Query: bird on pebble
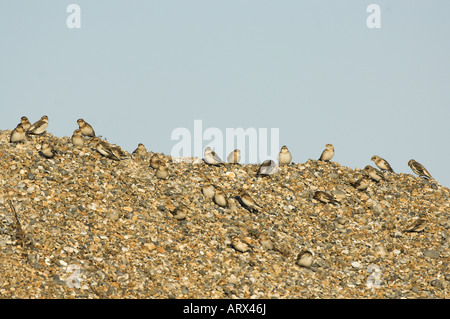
{"x":85,"y":128}
{"x":140,"y":151}
{"x":417,"y":225}
{"x":155,"y":161}
{"x":305,"y":259}
{"x":105,"y":149}
{"x":324,"y":197}
{"x":234,"y":157}
{"x":39,"y":127}
{"x":220,"y":198}
{"x":361,"y":183}
{"x":373,"y":173}
{"x":239,"y":244}
{"x":18,"y":134}
{"x":210,"y":157}
{"x":268,"y":167}
{"x":382,"y":163}
{"x":47,"y":150}
{"x":248,"y":201}
{"x":180,"y":212}
{"x":77,"y":138}
{"x":419,"y":169}
{"x":328,"y":153}
{"x":162,"y":172}
{"x":25,"y":123}
{"x":208,"y":190}
{"x":284,"y":157}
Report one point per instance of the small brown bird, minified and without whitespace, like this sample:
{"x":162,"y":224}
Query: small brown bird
{"x":85,"y":128}
{"x":325,"y":197}
{"x":39,"y":127}
{"x":162,"y":172}
{"x":47,"y":150}
{"x":155,"y":161}
{"x":77,"y":138}
{"x":140,"y":151}
{"x":328,"y":153}
{"x":18,"y":134}
{"x":417,"y":225}
{"x":180,"y":212}
{"x":208,"y":190}
{"x":234,"y":157}
{"x":419,"y":169}
{"x":210,"y":157}
{"x":25,"y":123}
{"x":105,"y":149}
{"x":361,"y":184}
{"x":248,"y":201}
{"x":284,"y":157}
{"x":373,"y":173}
{"x":305,"y":259}
{"x":239,"y":244}
{"x":268,"y":167}
{"x":382,"y":163}
{"x":220,"y":198}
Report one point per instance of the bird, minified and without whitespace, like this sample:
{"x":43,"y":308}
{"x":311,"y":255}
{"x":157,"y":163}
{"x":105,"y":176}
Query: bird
{"x":18,"y":134}
{"x":162,"y":172}
{"x":361,"y":183}
{"x":328,"y":153}
{"x":324,"y":197}
{"x":77,"y":138}
{"x":373,"y":173}
{"x":155,"y":161}
{"x":239,"y":245}
{"x":220,"y":198}
{"x":419,"y":169}
{"x":85,"y":128}
{"x":208,"y":190}
{"x":305,"y":259}
{"x":417,"y":225}
{"x":382,"y":163}
{"x":210,"y":157}
{"x":180,"y":212}
{"x":268,"y":167}
{"x":234,"y":157}
{"x":248,"y":201}
{"x":140,"y":151}
{"x":284,"y":157}
{"x":105,"y":149}
{"x":47,"y":150}
{"x":25,"y":123}
{"x":39,"y":127}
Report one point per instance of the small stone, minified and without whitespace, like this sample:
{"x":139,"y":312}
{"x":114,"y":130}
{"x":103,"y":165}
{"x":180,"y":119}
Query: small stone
{"x":432,"y":253}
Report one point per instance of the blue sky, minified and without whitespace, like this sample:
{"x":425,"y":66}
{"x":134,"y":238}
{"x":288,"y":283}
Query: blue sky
{"x":137,"y":70}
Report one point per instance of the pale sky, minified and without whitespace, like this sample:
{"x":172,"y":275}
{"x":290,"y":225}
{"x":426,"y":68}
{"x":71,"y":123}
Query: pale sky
{"x":138,"y":70}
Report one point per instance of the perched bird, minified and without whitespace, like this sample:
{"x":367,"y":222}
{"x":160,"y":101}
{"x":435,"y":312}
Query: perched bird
{"x":268,"y":167}
{"x":162,"y":172}
{"x":327,"y":154}
{"x":419,"y":169}
{"x":382,"y":163}
{"x":248,"y":201}
{"x":305,"y":259}
{"x":284,"y":157}
{"x":373,"y":173}
{"x":155,"y":161}
{"x":25,"y":123}
{"x":239,"y":245}
{"x":85,"y":128}
{"x":47,"y":150}
{"x":140,"y":151}
{"x":361,"y":184}
{"x":77,"y":138}
{"x":325,"y":197}
{"x":39,"y":127}
{"x":234,"y":157}
{"x":105,"y":149}
{"x":417,"y":225}
{"x":210,"y":157}
{"x":208,"y":190}
{"x":18,"y":134}
{"x":180,"y":212}
{"x":220,"y":198}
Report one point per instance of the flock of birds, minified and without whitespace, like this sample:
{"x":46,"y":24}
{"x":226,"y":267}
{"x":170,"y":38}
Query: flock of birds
{"x":86,"y":134}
